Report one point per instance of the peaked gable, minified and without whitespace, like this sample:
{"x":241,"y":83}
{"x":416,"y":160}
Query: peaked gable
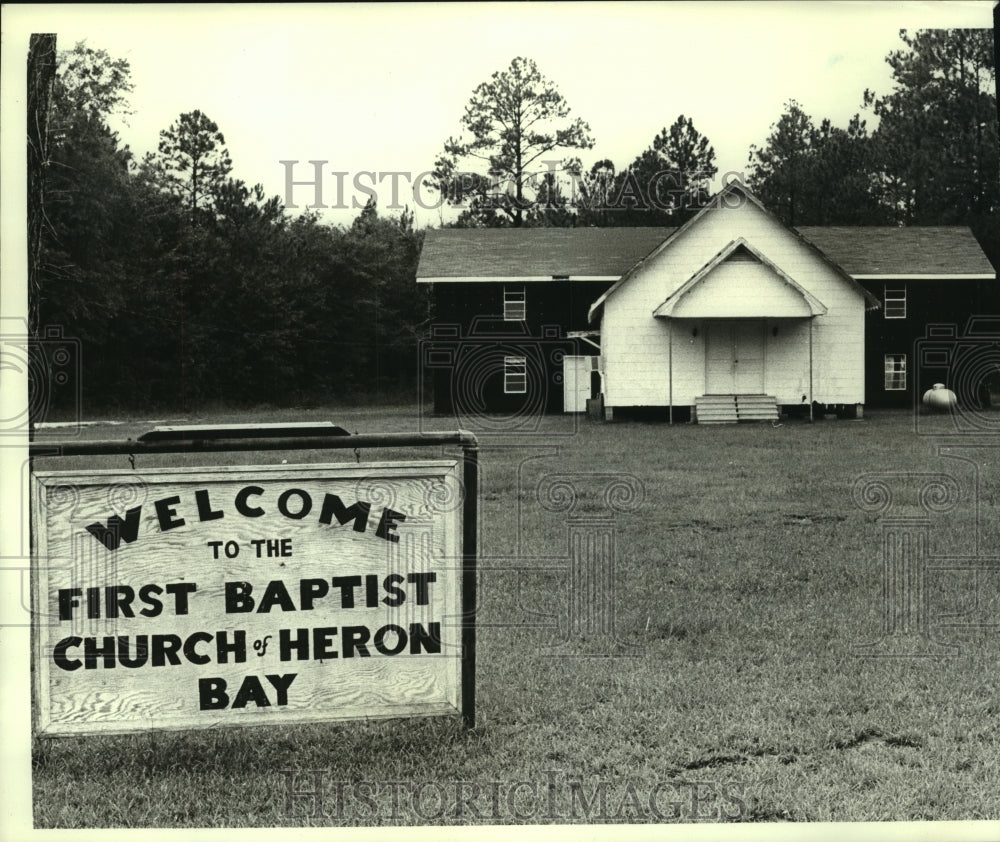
{"x":730,"y":196}
{"x":772,"y":292}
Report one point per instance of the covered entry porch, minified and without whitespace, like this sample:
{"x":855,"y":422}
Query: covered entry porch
{"x":736,"y":387}
{"x":729,"y":370}
{"x":740,"y":339}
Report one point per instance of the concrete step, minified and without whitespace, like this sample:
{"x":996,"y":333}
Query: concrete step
{"x":756,"y":408}
{"x":728,"y":409}
{"x":716,"y":409}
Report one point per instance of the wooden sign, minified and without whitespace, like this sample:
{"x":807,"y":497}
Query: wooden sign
{"x":198,"y":598}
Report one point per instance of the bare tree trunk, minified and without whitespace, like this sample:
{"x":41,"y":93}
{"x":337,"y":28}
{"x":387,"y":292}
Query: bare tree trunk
{"x":41,"y":73}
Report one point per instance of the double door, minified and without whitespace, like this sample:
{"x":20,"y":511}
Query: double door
{"x":734,"y":357}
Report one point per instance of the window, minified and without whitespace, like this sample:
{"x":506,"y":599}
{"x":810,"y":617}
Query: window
{"x":513,"y":304}
{"x":895,"y":372}
{"x":515,"y":375}
{"x":895,"y":302}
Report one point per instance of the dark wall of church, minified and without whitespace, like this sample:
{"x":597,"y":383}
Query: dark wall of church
{"x":944,"y":307}
{"x":478,"y":361}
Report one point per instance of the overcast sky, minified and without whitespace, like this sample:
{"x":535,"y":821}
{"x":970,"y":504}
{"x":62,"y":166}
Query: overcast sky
{"x":379,"y":88}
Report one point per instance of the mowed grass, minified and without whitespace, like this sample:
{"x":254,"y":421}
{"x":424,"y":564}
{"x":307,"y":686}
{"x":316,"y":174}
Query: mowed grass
{"x":746,"y":582}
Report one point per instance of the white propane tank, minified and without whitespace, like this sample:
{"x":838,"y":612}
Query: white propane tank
{"x":939,"y":399}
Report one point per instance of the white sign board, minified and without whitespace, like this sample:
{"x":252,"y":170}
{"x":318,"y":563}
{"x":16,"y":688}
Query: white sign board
{"x":206,"y":597}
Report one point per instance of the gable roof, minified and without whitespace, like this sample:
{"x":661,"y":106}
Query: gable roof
{"x":720,"y":200}
{"x":814,"y":305}
{"x":487,"y":254}
{"x":887,"y":250}
{"x":540,"y":253}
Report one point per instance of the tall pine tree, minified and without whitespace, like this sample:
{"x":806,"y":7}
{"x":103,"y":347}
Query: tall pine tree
{"x":514,"y":127}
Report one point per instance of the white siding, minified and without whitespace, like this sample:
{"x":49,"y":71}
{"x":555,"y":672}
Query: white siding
{"x":787,"y":355}
{"x":636,"y":346}
{"x":740,"y":288}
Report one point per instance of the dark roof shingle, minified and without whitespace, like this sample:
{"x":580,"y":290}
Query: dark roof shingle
{"x":904,"y":251}
{"x":530,"y":252}
{"x":603,"y":252}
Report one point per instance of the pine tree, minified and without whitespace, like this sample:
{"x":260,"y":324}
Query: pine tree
{"x":513,"y":127}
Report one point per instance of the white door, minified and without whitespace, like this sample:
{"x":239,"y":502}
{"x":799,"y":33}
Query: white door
{"x":734,"y":358}
{"x":576,"y":383}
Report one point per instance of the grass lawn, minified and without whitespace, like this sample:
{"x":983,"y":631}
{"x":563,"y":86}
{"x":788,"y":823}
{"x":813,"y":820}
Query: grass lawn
{"x":732,"y":688}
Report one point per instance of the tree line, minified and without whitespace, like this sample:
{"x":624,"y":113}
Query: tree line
{"x":186,"y":286}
